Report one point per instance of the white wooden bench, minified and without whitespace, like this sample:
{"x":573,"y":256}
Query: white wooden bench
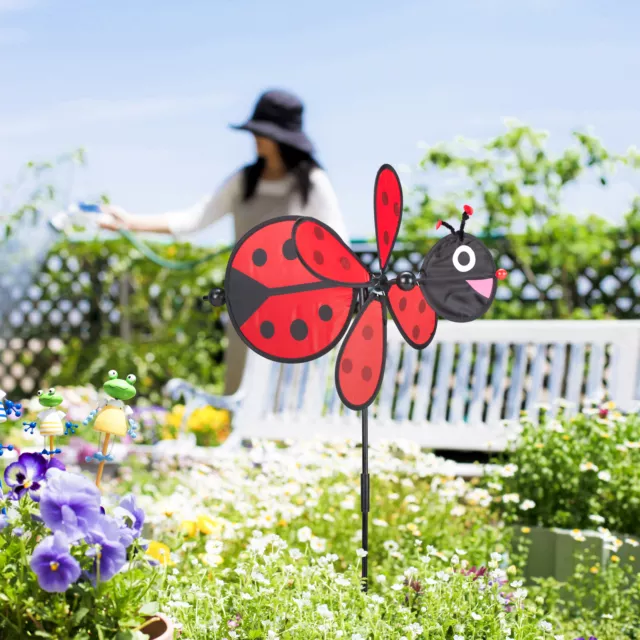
{"x":454,"y":395}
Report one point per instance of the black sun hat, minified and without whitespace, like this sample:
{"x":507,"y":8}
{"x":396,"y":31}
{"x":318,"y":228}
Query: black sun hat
{"x":278,"y":116}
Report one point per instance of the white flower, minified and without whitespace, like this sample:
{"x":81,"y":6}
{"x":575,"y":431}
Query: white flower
{"x":597,"y":519}
{"x":496,"y":557}
{"x":361,"y":553}
{"x":558,"y":637}
{"x":458,"y":510}
{"x":295,"y":554}
{"x":356,"y":636}
{"x":546,"y":626}
{"x":605,"y":476}
{"x":476,"y":616}
{"x":527,"y":504}
{"x":381,"y":578}
{"x":588,"y":466}
{"x":414,"y":628}
{"x":304,"y":534}
{"x":323,"y":610}
{"x":457,"y":637}
{"x":510,"y":497}
{"x":520,"y":594}
{"x":509,"y":470}
{"x":397,"y":587}
{"x":272,"y":635}
{"x":318,"y":544}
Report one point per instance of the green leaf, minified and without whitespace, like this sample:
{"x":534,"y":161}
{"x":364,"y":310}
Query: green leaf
{"x":79,"y":614}
{"x":149,"y":609}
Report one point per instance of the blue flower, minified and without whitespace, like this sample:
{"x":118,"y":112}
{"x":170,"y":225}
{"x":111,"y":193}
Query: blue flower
{"x":25,"y":476}
{"x":108,"y":551}
{"x":55,"y":567}
{"x":70,"y":503}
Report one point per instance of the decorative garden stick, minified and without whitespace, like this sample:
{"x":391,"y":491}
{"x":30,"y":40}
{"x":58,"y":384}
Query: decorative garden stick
{"x":7,"y":408}
{"x":49,"y":422}
{"x":111,"y":417}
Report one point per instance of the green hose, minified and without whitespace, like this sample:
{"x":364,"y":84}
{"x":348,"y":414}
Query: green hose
{"x":179,"y":265}
{"x":175,"y":265}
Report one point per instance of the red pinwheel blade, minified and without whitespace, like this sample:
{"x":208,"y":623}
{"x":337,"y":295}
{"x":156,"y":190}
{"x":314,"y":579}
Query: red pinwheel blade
{"x":415,"y":319}
{"x":360,"y":364}
{"x":387,"y":207}
{"x":326,"y":256}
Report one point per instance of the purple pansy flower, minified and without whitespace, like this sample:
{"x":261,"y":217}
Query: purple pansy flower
{"x":131,"y":519}
{"x":56,"y":569}
{"x":108,"y":550}
{"x":590,"y":638}
{"x":26,"y":476}
{"x":70,"y":503}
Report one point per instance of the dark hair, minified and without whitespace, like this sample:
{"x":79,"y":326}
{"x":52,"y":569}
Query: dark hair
{"x":299,"y":163}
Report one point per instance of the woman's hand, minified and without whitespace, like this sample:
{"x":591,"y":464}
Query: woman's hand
{"x":115,"y":218}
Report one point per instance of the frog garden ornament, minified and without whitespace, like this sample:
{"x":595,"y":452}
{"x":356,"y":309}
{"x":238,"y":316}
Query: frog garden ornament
{"x":112,"y":417}
{"x":50,"y":421}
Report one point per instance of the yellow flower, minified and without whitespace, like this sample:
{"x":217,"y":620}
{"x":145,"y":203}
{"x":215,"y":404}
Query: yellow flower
{"x":160,"y":552}
{"x":539,"y":445}
{"x":594,"y":570}
{"x":610,"y":405}
{"x":615,"y":559}
{"x":174,"y":419}
{"x":525,"y":530}
{"x":189,"y":528}
{"x":566,"y":437}
{"x":512,"y":570}
{"x":207,"y":525}
{"x":282,"y":523}
{"x":171,"y":251}
{"x":604,"y":435}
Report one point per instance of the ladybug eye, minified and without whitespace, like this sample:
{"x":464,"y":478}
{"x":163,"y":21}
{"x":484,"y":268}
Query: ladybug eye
{"x":39,"y":393}
{"x":51,"y":391}
{"x":113,"y":374}
{"x":131,"y":378}
{"x":464,"y":259}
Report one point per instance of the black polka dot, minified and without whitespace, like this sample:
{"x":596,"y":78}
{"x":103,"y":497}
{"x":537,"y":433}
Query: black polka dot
{"x":267,"y":329}
{"x":366,"y":373}
{"x":259,"y":257}
{"x":325,"y":312}
{"x":422,"y":307}
{"x":396,"y":208}
{"x":345,"y":264}
{"x":318,"y":233}
{"x":385,"y":237}
{"x":415,"y":332}
{"x":318,"y":257}
{"x":347,"y":365}
{"x":402,"y":305}
{"x":367,"y":333}
{"x":289,"y":250}
{"x":385,"y":198}
{"x":299,"y":330}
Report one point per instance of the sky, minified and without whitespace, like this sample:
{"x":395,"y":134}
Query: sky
{"x":148,"y":87}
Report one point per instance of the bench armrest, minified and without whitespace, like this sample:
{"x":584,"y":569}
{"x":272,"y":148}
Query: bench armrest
{"x":177,"y":387}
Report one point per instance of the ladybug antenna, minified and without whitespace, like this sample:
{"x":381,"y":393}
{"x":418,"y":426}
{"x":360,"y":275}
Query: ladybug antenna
{"x":446,"y":224}
{"x":467,"y":213}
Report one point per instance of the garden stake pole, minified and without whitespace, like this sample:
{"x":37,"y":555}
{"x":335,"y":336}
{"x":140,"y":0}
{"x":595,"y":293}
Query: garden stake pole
{"x":364,"y":483}
{"x":51,"y":446}
{"x":105,"y":448}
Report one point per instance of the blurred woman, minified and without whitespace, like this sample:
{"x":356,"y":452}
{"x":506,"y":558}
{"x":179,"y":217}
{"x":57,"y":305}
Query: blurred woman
{"x":285,"y":179}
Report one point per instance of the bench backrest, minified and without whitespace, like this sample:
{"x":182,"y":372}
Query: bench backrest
{"x":472,"y":376}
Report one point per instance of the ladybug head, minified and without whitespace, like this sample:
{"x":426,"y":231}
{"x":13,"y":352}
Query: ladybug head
{"x":458,"y":276}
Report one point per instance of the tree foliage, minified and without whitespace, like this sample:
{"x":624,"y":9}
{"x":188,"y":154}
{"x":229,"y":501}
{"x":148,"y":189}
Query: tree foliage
{"x":518,"y":189}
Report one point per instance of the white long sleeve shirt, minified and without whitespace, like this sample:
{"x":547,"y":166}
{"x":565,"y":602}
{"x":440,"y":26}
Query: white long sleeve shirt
{"x":272,"y":199}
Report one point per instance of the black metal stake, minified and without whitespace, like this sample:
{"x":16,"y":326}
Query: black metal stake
{"x":364,"y":484}
{"x":364,"y":495}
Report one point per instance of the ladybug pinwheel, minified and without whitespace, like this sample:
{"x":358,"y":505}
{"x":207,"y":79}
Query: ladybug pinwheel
{"x":361,"y":360}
